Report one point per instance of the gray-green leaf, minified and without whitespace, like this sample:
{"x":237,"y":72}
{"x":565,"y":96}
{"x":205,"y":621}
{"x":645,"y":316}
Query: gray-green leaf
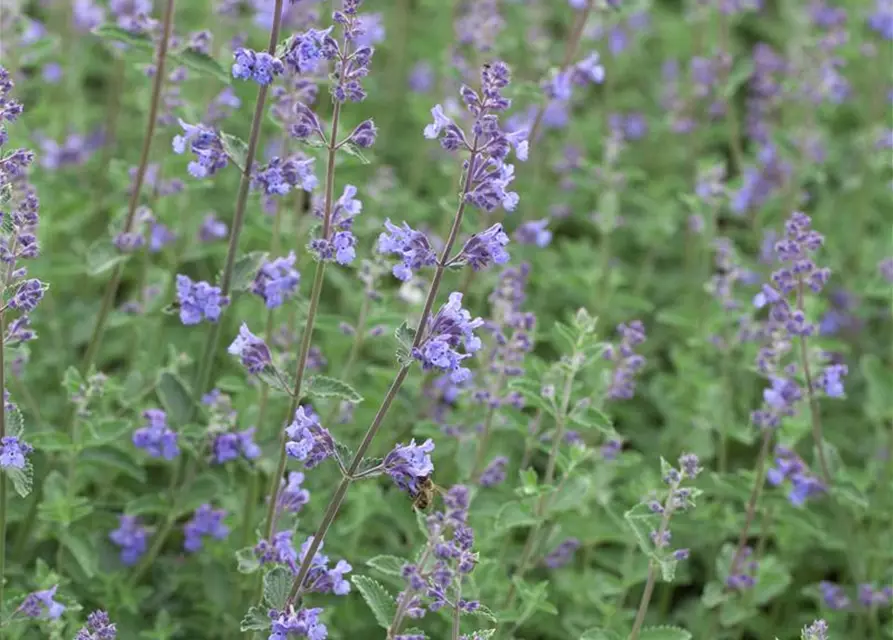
{"x":379,"y":600}
{"x":277,"y":584}
{"x":325,"y":387}
{"x":175,"y":398}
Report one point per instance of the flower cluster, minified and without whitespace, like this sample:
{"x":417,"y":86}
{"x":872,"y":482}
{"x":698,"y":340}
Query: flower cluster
{"x":743,"y":572}
{"x":292,"y":497}
{"x":277,"y":280}
{"x":98,"y":627}
{"x":131,"y":537}
{"x":199,"y":301}
{"x":451,"y":327}
{"x":678,"y":498}
{"x":251,"y":350}
{"x":309,"y":441}
{"x":156,"y":438}
{"x":818,"y":630}
{"x":41,"y":604}
{"x":484,"y":248}
{"x":260,"y":67}
{"x":204,"y":522}
{"x":627,"y":363}
{"x":562,"y":554}
{"x":281,"y":175}
{"x":409,"y":464}
{"x":534,"y":232}
{"x":205,"y":143}
{"x":411,"y":246}
{"x":14,"y":452}
{"x":789,"y":467}
{"x":300,"y":623}
{"x":234,"y":444}
{"x":341,"y":245}
{"x":494,"y":473}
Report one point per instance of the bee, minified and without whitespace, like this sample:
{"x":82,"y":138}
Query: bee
{"x":425,"y":494}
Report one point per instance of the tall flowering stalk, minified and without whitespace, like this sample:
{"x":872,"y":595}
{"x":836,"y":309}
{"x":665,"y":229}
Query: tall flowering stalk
{"x":130,"y":219}
{"x":437,"y":337}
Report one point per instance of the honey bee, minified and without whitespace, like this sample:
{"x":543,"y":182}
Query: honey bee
{"x":427,"y":490}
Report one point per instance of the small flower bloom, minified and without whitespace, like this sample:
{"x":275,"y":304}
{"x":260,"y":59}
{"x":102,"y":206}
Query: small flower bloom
{"x":303,"y":623}
{"x":27,"y":296}
{"x":156,"y":438}
{"x":407,"y":464}
{"x":534,"y":232}
{"x":132,"y":537}
{"x":562,"y":554}
{"x":212,"y":228}
{"x":207,"y":147}
{"x":292,"y":497}
{"x":40,"y":604}
{"x":412,"y":246}
{"x":13,"y":452}
{"x":309,"y":441}
{"x":199,"y":301}
{"x":252,"y":350}
{"x":494,"y":474}
{"x":364,"y":134}
{"x":204,"y":522}
{"x":486,"y":248}
{"x":281,"y":176}
{"x":229,"y":446}
{"x":277,"y":280}
{"x":451,"y":327}
{"x":98,"y":627}
{"x":260,"y":67}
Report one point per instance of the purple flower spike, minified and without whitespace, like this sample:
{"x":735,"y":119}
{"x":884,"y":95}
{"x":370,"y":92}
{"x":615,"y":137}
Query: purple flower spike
{"x":494,"y":474}
{"x":281,"y":176}
{"x":205,"y":522}
{"x":13,"y":453}
{"x":309,"y":442}
{"x":99,"y":627}
{"x":252,"y":350}
{"x":486,"y":248}
{"x":534,"y":232}
{"x":562,"y":554}
{"x":199,"y":301}
{"x":407,"y":464}
{"x":156,"y":438}
{"x":277,"y":280}
{"x":301,"y":623}
{"x":446,"y":331}
{"x":412,"y":246}
{"x":131,"y":537}
{"x":207,"y":147}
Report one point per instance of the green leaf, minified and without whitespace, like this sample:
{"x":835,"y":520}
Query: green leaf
{"x":325,"y":387}
{"x":21,"y":478}
{"x":277,"y":585}
{"x":203,"y":63}
{"x":599,"y":634}
{"x":379,"y":600}
{"x":353,"y":150}
{"x":484,"y":612}
{"x":175,"y":398}
{"x":149,"y":503}
{"x":255,"y":619}
{"x":103,"y":256}
{"x":114,"y":33}
{"x":512,"y":515}
{"x":247,"y":561}
{"x":389,"y":565}
{"x":405,"y":336}
{"x":245,"y":269}
{"x":275,"y":379}
{"x":642,"y":521}
{"x":532,"y":599}
{"x":82,"y":550}
{"x":235,"y":148}
{"x":50,"y":441}
{"x":664,"y":633}
{"x":110,"y":458}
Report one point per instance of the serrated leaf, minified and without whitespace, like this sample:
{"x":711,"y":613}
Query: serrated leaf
{"x":50,"y":441}
{"x":532,"y":599}
{"x":326,"y":387}
{"x":21,"y":478}
{"x":484,"y":612}
{"x":82,"y":550}
{"x":235,"y":148}
{"x":114,"y":33}
{"x":203,"y":63}
{"x":255,"y":620}
{"x":110,"y":458}
{"x":245,"y":270}
{"x":103,"y":256}
{"x":599,"y":634}
{"x":278,"y":380}
{"x":247,"y":561}
{"x":353,"y":150}
{"x":277,"y":584}
{"x":664,"y":633}
{"x":642,"y":521}
{"x":512,"y":515}
{"x":175,"y":398}
{"x":405,"y":336}
{"x":379,"y":600}
{"x":389,"y":565}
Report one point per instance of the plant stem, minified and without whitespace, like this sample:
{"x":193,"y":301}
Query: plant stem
{"x":341,"y":491}
{"x":2,"y":474}
{"x":754,"y":496}
{"x":406,"y":596}
{"x":484,"y":441}
{"x":204,"y":370}
{"x":814,"y":413}
{"x":456,"y":611}
{"x":112,"y":288}
{"x":669,"y":503}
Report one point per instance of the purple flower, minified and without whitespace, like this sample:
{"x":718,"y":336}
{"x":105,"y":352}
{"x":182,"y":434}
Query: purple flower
{"x":834,"y":596}
{"x":277,"y":280}
{"x":830,"y":380}
{"x":562,"y":554}
{"x":229,"y":446}
{"x":260,"y":67}
{"x":212,"y":228}
{"x":99,"y":627}
{"x":485,"y":248}
{"x":491,"y":188}
{"x":421,"y":77}
{"x":252,"y":350}
{"x":309,"y":441}
{"x":292,"y":497}
{"x":13,"y":452}
{"x":156,"y":438}
{"x":40,"y":604}
{"x":159,"y":237}
{"x":412,"y":246}
{"x":303,"y":623}
{"x":407,"y":464}
{"x":207,"y":147}
{"x":86,"y":15}
{"x":589,"y":69}
{"x":451,"y":327}
{"x":199,"y":301}
{"x":788,"y":466}
{"x":627,"y":363}
{"x":534,"y":232}
{"x":27,"y":296}
{"x":306,"y":50}
{"x":281,"y":176}
{"x":494,"y":474}
{"x":364,"y":134}
{"x":204,"y":522}
{"x":881,"y":21}
{"x":132,"y":537}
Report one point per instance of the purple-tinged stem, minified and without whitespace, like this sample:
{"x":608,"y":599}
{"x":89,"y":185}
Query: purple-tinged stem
{"x":341,"y":491}
{"x":112,"y":288}
{"x":754,"y":496}
{"x":2,"y":475}
{"x":457,"y":624}
{"x":406,"y":596}
{"x":814,"y":413}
